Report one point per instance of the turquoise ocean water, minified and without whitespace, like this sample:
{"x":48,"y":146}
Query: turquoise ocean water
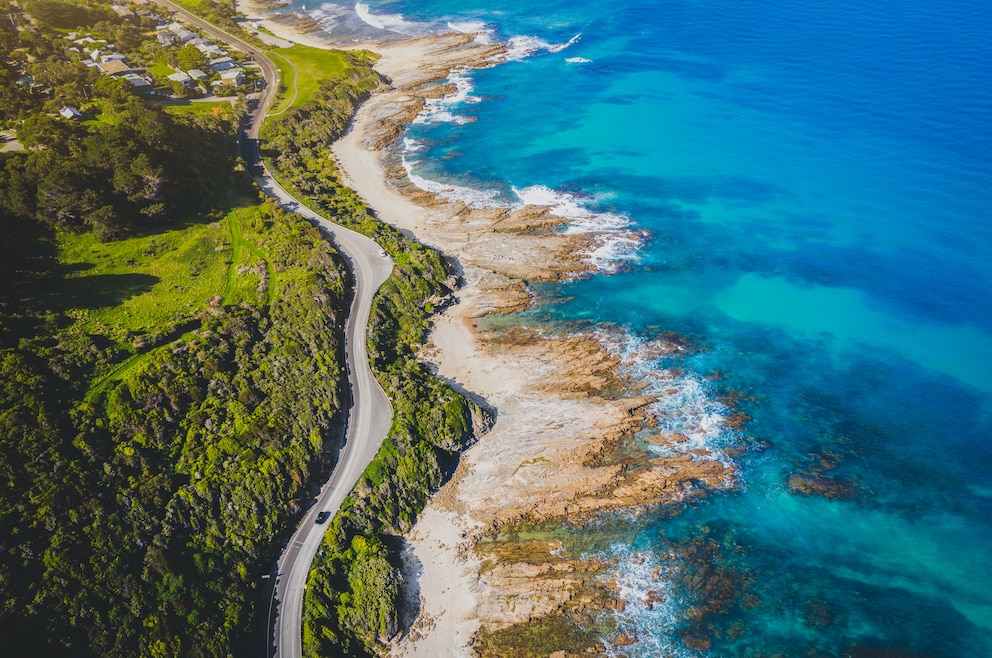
{"x":814,"y":181}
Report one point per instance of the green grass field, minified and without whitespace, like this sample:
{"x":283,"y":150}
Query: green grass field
{"x":251,"y":276}
{"x":312,"y":65}
{"x":161,"y":69}
{"x":101,"y":119}
{"x":144,"y":284}
{"x":157,"y":285}
{"x":218,"y":108}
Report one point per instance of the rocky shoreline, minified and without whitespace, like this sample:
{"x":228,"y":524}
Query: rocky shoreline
{"x":561,"y":451}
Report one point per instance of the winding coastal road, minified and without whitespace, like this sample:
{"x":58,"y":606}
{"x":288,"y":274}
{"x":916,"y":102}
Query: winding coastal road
{"x":371,"y":414}
{"x":368,"y":422}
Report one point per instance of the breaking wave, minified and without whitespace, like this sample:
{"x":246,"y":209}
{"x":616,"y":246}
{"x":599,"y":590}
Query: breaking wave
{"x":458,"y":193}
{"x":648,"y":623}
{"x":392,"y":22}
{"x":483,"y":33}
{"x":522,"y":47}
{"x":689,"y":418}
{"x":615,"y":243}
{"x":439,"y":110}
{"x":327,"y":15}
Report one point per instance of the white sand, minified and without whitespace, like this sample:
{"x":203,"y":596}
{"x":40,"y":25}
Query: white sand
{"x":448,"y":583}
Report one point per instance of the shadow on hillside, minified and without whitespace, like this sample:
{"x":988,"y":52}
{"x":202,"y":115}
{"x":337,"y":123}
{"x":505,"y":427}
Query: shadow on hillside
{"x":102,"y":290}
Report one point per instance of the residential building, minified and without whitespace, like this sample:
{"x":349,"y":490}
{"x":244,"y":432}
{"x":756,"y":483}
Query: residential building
{"x":71,"y":113}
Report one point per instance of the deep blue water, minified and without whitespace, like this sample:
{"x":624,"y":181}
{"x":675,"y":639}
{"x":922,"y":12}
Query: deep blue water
{"x":816,"y":182}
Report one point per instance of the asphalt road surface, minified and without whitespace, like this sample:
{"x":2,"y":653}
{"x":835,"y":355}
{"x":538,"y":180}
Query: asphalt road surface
{"x":368,"y":423}
{"x":371,"y":416}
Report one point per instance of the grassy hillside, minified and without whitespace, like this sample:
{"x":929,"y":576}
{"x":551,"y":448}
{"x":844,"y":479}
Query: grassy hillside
{"x":180,"y":395}
{"x":302,"y":70}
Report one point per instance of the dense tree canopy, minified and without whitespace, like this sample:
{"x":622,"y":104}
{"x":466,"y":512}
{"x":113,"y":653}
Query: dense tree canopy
{"x":146,"y":168}
{"x":147,"y":476}
{"x":67,"y":15}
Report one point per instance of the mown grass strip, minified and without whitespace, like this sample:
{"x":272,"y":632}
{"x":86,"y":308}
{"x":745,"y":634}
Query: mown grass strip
{"x":302,"y":69}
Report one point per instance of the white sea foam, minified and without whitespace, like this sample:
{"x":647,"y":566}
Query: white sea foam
{"x":522,"y":47}
{"x":691,"y":421}
{"x":472,"y":197}
{"x":483,"y":33}
{"x":391,"y":22}
{"x":412,"y":145}
{"x":567,"y":206}
{"x":327,"y":15}
{"x":615,"y":245}
{"x":577,"y":60}
{"x":650,"y":612}
{"x":613,"y":251}
{"x":439,"y":110}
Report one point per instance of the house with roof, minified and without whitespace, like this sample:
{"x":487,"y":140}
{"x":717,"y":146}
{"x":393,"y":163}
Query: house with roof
{"x":233,"y":77}
{"x":222,"y":64}
{"x":139,"y":82}
{"x":197,"y":75}
{"x":70,"y":113}
{"x":180,"y":77}
{"x":209,"y":49}
{"x":112,"y":57}
{"x":88,"y":40}
{"x":115,"y":67}
{"x":182,"y":34}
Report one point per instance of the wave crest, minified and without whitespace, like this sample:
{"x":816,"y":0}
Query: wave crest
{"x":438,"y":110}
{"x":458,"y":193}
{"x":522,"y":47}
{"x":483,"y":33}
{"x":690,"y":420}
{"x":391,"y":22}
{"x":615,"y":243}
{"x":651,"y":614}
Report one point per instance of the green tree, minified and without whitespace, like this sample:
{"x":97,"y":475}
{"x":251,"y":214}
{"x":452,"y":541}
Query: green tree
{"x":189,"y":58}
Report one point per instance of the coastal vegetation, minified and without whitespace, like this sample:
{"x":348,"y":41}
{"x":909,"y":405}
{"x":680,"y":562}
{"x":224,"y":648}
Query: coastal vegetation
{"x":353,"y":588}
{"x":171,"y":374}
{"x":172,"y":365}
{"x":302,"y":69}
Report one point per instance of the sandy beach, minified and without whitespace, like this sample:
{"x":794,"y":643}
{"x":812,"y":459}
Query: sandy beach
{"x":558,"y":412}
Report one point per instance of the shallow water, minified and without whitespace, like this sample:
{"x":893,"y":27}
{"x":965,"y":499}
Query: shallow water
{"x":815,"y":180}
